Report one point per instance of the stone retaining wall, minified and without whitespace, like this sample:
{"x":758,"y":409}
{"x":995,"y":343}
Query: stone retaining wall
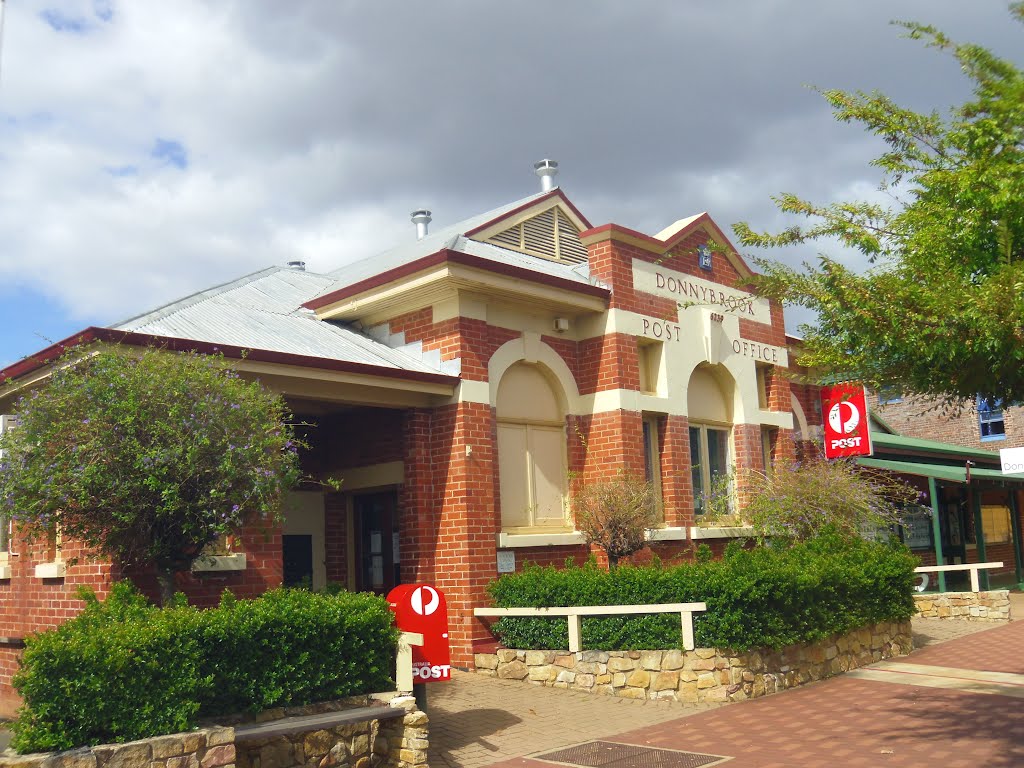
{"x":398,"y":743}
{"x":993,"y":605}
{"x":704,"y":674}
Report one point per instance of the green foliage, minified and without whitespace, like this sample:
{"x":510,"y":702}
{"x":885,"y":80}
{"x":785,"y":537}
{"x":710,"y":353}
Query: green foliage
{"x":147,"y":457}
{"x":615,"y":514}
{"x":756,"y":598}
{"x":941,"y":314}
{"x":802,"y":499}
{"x":174,"y":665}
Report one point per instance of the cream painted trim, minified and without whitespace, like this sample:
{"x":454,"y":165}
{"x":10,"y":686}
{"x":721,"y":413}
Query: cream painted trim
{"x":512,"y":540}
{"x":472,"y":392}
{"x":801,"y":419}
{"x":529,"y":347}
{"x":212,"y":563}
{"x":732,"y":532}
{"x":397,"y":292}
{"x":5,"y":571}
{"x":379,"y":381}
{"x":55,"y":570}
{"x":370,"y":476}
{"x":782,"y":419}
{"x":666,"y":534}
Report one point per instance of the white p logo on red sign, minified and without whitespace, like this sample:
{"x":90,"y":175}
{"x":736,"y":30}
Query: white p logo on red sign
{"x":425,"y":600}
{"x":843,"y":417}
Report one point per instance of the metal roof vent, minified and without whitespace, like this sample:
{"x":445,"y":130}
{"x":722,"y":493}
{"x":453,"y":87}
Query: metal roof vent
{"x":547,"y":170}
{"x":298,"y":266}
{"x":421,"y":219}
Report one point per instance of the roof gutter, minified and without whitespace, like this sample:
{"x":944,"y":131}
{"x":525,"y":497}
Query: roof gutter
{"x":131,"y":338}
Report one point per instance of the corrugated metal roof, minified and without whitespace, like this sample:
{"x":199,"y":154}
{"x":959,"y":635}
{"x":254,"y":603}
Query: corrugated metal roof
{"x":263,"y":311}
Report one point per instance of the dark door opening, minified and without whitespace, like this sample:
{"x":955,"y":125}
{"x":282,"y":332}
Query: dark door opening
{"x":377,"y":560}
{"x":298,"y":560}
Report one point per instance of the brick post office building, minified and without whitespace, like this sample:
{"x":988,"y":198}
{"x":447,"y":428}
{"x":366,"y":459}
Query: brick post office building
{"x":457,"y":382}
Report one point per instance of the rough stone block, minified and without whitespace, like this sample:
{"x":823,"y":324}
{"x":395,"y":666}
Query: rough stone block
{"x":537,"y":658}
{"x":589,"y":667}
{"x":543,"y":674}
{"x":640,"y":678}
{"x":595,"y":657}
{"x":585,"y":681}
{"x":216,"y":757}
{"x":632,"y":693}
{"x":672,"y":660}
{"x":567,"y":660}
{"x":650,"y":660}
{"x":485,"y":660}
{"x":135,"y":755}
{"x":665,"y":681}
{"x":618,"y":664}
{"x":167,"y":746}
{"x":506,"y":655}
{"x":513,"y":670}
{"x":706,"y":680}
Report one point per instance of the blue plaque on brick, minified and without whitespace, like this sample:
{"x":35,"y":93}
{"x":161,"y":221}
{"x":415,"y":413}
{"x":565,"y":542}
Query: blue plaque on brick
{"x":704,"y":257}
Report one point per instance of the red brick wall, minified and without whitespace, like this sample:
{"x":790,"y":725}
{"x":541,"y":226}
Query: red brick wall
{"x":917,"y":417}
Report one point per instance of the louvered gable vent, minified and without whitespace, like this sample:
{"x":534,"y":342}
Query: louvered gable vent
{"x":550,"y":235}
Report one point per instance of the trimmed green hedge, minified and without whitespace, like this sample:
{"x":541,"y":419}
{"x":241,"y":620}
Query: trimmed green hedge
{"x":756,"y":598}
{"x":125,"y":670}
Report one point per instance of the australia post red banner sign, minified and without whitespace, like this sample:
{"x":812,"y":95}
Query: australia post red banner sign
{"x":844,"y":415}
{"x":422,"y":608}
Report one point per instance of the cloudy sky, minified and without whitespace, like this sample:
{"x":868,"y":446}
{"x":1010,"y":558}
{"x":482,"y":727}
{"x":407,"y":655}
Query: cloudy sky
{"x":150,"y":149}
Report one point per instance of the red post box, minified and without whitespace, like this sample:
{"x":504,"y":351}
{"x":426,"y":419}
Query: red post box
{"x":422,"y":608}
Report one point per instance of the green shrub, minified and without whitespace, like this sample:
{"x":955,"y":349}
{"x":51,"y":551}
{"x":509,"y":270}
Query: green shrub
{"x":125,"y":670}
{"x":757,"y":598}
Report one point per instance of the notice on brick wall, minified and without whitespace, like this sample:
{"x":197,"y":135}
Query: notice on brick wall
{"x":1012,"y":461}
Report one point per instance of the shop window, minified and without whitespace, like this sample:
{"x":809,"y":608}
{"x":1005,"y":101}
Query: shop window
{"x":991,"y":424}
{"x":649,"y":355}
{"x":652,"y":457}
{"x":996,"y":525}
{"x":531,"y":451}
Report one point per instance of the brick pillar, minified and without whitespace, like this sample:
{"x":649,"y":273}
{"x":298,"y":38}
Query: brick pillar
{"x":676,"y":482}
{"x":417,"y":524}
{"x":747,"y":443}
{"x":336,"y":538}
{"x":465,"y":518}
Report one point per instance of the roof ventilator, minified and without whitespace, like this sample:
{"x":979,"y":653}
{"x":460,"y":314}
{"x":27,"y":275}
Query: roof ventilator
{"x":421,"y":219}
{"x":298,"y":266}
{"x":547,"y":170}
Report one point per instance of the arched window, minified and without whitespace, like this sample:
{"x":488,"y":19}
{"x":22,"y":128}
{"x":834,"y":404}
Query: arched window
{"x":531,"y":450}
{"x":709,"y":407}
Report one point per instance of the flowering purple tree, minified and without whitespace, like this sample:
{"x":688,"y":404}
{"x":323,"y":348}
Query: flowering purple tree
{"x":147,"y":457}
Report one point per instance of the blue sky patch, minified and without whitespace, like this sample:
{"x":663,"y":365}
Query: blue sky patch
{"x":170,"y":152}
{"x":61,"y":22}
{"x":104,"y":9}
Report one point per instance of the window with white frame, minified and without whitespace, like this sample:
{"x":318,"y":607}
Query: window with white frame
{"x":7,"y":423}
{"x":532,"y":467}
{"x":991,"y":424}
{"x":709,"y":463}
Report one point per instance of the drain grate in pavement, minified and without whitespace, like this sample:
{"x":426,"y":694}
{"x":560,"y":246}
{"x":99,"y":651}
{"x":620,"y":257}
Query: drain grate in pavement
{"x":610,"y":754}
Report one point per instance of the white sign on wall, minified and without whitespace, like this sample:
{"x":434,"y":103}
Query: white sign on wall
{"x":506,"y":561}
{"x":1011,"y":460}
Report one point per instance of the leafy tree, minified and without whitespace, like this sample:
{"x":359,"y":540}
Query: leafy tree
{"x":147,"y":457}
{"x":941,"y":311}
{"x":615,"y":514}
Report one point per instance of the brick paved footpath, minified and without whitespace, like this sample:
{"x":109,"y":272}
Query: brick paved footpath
{"x":839,"y":723}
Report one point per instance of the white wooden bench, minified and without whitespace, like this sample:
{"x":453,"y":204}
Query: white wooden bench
{"x":972,"y":567}
{"x":575,"y":613}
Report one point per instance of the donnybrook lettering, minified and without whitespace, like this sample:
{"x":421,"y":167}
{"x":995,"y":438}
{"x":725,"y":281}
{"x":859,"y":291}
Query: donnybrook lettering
{"x":756,"y":351}
{"x":739,"y":303}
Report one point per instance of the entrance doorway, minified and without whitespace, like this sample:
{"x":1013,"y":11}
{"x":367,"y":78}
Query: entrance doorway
{"x":378,"y":567}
